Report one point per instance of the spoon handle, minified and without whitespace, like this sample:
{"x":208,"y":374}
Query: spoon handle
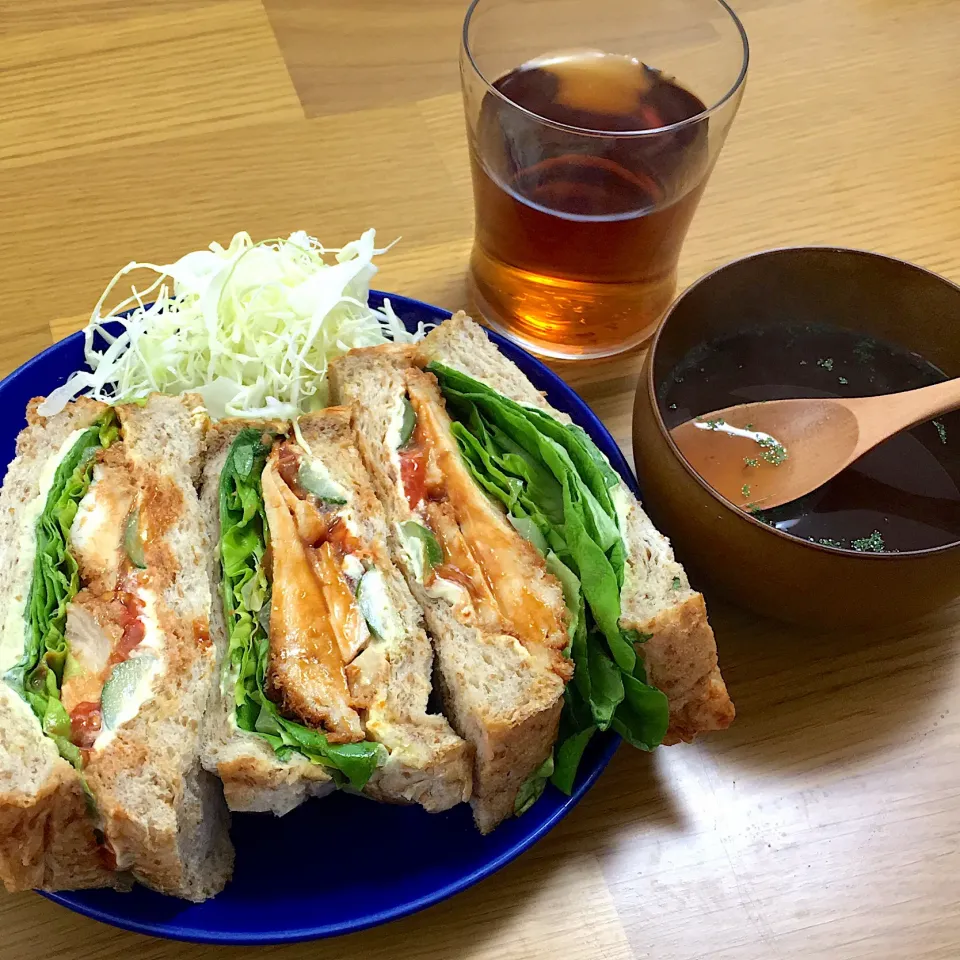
{"x":881,"y":417}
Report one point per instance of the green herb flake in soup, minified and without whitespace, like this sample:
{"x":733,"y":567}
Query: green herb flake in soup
{"x":871,"y":544}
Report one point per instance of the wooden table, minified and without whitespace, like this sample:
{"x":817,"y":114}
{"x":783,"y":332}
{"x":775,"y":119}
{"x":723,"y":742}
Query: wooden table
{"x":824,"y":824}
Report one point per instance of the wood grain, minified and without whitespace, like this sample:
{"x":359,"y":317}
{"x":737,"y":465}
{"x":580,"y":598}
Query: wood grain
{"x":824,"y":824}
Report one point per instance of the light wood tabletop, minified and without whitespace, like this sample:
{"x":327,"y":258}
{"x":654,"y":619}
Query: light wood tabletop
{"x":826,"y":822}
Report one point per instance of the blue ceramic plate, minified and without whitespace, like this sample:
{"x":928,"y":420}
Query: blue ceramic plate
{"x":421,"y":858}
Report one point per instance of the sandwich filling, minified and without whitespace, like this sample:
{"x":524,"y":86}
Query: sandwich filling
{"x":558,"y":491}
{"x":307,"y":618}
{"x":90,"y":646}
{"x":459,"y":545}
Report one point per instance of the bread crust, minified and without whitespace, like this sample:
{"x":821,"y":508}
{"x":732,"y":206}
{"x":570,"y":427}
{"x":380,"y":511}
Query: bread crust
{"x":47,"y":839}
{"x":681,"y":660}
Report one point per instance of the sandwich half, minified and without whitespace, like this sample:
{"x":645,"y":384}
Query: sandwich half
{"x":678,"y":648}
{"x":497,"y":614}
{"x":326,"y":669}
{"x":106,"y":656}
{"x":534,"y":564}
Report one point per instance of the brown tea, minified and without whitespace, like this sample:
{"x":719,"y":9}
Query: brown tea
{"x":578,"y":232}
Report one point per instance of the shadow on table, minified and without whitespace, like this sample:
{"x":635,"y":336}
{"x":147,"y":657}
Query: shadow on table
{"x":836,"y":698}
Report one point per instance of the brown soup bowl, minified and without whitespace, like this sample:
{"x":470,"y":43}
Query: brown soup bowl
{"x":756,"y":565}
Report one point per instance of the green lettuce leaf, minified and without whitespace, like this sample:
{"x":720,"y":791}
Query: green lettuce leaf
{"x":555,"y":485}
{"x":528,"y":529}
{"x":38,"y":675}
{"x":641,"y":717}
{"x":576,"y":731}
{"x":532,"y":788}
{"x":244,"y":539}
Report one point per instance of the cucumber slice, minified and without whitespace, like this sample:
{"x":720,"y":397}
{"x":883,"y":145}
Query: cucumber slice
{"x":123,"y":684}
{"x":314,"y":479}
{"x":131,"y":540}
{"x":374,"y":603}
{"x":431,"y":549}
{"x":408,"y":425}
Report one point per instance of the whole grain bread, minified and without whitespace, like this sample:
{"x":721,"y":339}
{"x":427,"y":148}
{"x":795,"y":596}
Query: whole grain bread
{"x":501,"y":696}
{"x":47,"y":840}
{"x":427,"y":763}
{"x":162,"y":816}
{"x":254,"y":780}
{"x":681,"y":653}
{"x":165,"y":816}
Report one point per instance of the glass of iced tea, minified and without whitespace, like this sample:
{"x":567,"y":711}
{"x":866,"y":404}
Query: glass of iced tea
{"x":593,"y":126}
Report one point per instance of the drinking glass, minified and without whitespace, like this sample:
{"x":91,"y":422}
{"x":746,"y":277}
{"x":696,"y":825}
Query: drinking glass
{"x":593,"y":126}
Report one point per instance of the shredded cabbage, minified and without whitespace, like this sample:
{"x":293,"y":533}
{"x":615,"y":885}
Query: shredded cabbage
{"x":251,"y":328}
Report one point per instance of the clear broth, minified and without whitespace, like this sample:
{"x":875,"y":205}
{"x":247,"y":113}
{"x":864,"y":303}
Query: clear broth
{"x":903,"y":495}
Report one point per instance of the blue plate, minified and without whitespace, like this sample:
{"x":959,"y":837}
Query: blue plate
{"x":420,"y":858}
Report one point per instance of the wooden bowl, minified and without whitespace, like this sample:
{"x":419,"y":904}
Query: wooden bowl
{"x":755,"y":565}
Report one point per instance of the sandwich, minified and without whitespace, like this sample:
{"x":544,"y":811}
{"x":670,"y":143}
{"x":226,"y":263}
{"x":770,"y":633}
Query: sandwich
{"x":325,"y":675}
{"x":555,"y":607}
{"x":105,"y":655}
{"x":675,"y":641}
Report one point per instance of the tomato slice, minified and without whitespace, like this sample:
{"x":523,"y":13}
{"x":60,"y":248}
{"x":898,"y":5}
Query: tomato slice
{"x":133,"y":633}
{"x":133,"y":628}
{"x":413,"y":473}
{"x":85,"y":722}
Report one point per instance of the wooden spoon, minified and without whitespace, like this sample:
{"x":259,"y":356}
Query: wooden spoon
{"x":761,"y":455}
